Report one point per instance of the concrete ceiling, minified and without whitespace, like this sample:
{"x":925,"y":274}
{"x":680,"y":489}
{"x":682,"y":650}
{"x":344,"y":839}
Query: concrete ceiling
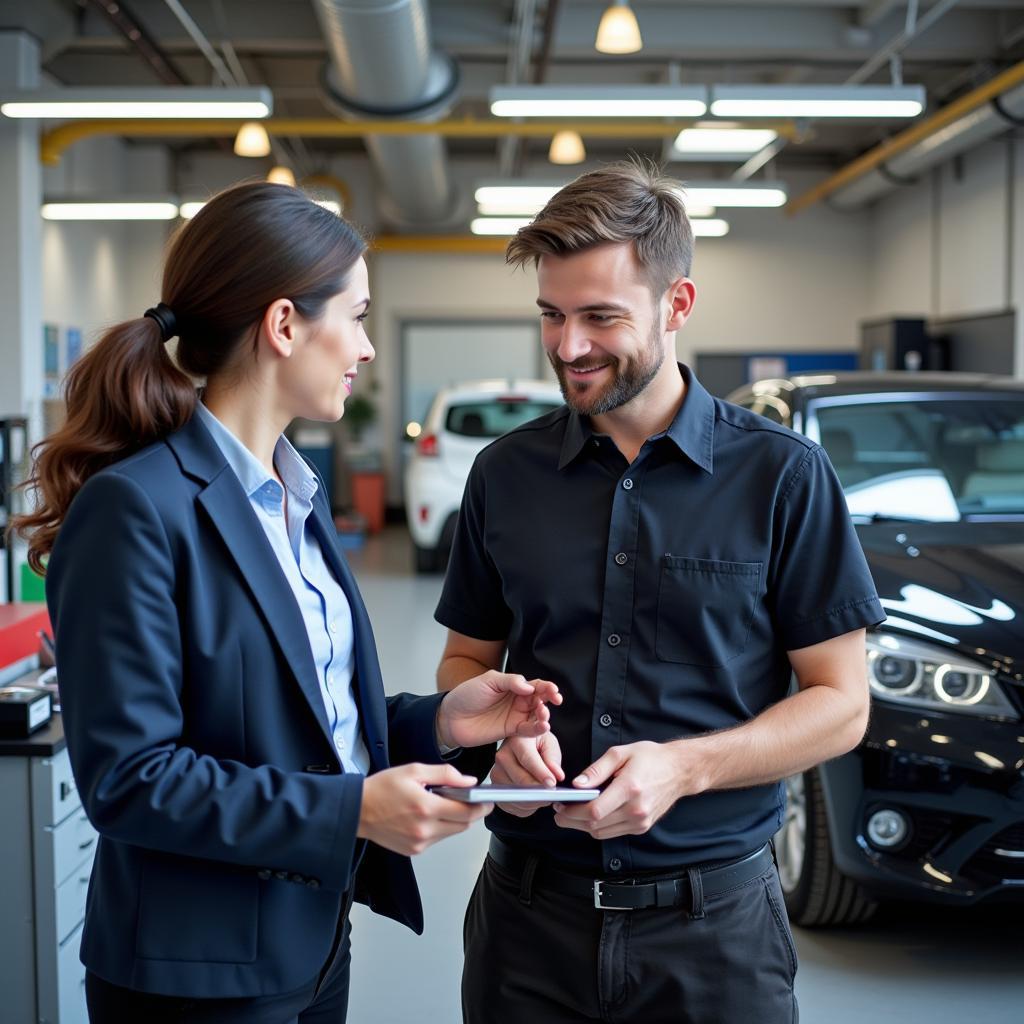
{"x":279,"y":43}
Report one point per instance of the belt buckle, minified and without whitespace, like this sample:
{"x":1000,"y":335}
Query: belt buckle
{"x":598,"y":898}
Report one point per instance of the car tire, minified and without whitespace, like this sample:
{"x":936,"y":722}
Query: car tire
{"x":817,"y":895}
{"x":424,"y":559}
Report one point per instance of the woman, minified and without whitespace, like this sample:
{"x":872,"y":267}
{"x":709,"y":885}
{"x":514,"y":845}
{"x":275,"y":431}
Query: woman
{"x":224,"y":711}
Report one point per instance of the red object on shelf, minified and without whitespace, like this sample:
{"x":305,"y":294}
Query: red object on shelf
{"x":19,"y":630}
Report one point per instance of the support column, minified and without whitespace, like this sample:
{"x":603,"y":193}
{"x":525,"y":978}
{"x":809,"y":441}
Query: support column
{"x":21,"y":289}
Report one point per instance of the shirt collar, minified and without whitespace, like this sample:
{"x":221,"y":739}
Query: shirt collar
{"x":297,"y":476}
{"x":692,"y":430}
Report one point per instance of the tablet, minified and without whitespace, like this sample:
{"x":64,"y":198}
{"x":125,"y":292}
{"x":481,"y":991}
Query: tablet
{"x":487,"y":794}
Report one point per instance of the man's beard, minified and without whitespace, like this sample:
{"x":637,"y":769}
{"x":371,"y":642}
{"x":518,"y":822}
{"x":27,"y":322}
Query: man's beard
{"x":593,"y":400}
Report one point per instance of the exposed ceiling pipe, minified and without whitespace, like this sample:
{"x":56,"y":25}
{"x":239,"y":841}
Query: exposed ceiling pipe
{"x":981,"y":114}
{"x":971,"y":130}
{"x":382,"y":66}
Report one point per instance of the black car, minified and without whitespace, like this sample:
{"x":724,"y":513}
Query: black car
{"x":931,"y":805}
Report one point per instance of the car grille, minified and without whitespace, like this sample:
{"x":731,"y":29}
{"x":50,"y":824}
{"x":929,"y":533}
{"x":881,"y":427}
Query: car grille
{"x":990,"y":865}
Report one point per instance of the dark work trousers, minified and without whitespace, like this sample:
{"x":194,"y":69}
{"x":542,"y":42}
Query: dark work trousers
{"x":537,"y":956}
{"x":322,"y":1001}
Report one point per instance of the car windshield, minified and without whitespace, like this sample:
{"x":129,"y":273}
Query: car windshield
{"x":934,"y":459}
{"x":492,"y":417}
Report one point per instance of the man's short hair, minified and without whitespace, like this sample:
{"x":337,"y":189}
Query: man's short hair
{"x":629,"y":201}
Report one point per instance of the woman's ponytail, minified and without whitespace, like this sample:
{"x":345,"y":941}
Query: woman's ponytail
{"x":122,"y":394}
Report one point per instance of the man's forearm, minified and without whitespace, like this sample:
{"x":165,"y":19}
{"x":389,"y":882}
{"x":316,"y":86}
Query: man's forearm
{"x":455,"y":670}
{"x":805,"y":729}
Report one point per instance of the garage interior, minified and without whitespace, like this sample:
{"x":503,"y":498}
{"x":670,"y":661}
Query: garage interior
{"x":891,"y":244}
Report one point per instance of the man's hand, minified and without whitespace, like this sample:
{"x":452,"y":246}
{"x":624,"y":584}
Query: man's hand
{"x":647,"y":779}
{"x":399,"y":813}
{"x":527,"y":761}
{"x":493,"y":706}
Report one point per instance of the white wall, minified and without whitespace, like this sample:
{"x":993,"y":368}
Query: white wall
{"x":952,"y":244}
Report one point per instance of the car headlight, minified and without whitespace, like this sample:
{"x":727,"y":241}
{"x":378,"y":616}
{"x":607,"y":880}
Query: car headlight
{"x":922,"y":675}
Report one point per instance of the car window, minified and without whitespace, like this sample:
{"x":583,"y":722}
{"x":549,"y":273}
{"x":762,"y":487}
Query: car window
{"x":936,"y":459}
{"x":492,"y":417}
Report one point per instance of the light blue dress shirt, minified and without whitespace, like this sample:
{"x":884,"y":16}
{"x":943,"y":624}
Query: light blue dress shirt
{"x":322,"y":602}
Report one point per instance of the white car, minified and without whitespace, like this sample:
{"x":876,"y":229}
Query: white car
{"x":462,"y":421}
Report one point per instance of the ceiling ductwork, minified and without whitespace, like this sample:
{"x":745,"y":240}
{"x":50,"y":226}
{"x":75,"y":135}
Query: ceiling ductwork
{"x":996,"y":117}
{"x":382,"y":66}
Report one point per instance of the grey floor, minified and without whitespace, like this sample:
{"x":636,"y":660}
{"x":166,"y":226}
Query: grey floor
{"x":912,"y":964}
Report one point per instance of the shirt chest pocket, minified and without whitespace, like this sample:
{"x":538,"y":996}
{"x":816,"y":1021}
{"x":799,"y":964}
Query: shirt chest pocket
{"x":705,"y":608}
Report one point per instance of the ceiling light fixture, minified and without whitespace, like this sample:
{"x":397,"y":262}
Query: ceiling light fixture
{"x":618,"y":31}
{"x":567,"y":148}
{"x":117,"y":102}
{"x":252,"y":140}
{"x":711,"y":143}
{"x":92,"y":209}
{"x":849,"y":101}
{"x":599,"y":101}
{"x":712,"y":227}
{"x":498,"y":225}
{"x":723,"y":193}
{"x":281,"y":175}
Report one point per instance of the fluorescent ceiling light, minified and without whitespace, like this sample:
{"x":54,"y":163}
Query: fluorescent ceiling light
{"x":498,"y":225}
{"x":188,"y":210}
{"x":142,"y":209}
{"x":817,"y":100}
{"x":524,"y":199}
{"x":599,"y":101}
{"x":618,"y":31}
{"x":170,"y":102}
{"x":713,"y":227}
{"x":722,"y":193}
{"x":720,"y":143}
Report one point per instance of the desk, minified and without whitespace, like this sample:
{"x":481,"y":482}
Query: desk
{"x":46,"y":851}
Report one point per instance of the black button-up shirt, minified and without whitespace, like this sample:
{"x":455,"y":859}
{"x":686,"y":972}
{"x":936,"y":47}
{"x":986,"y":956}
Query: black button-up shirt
{"x":660,"y":595}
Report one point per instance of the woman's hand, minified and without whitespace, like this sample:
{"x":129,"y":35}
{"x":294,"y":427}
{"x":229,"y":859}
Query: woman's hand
{"x":492,"y":706}
{"x":399,"y":812}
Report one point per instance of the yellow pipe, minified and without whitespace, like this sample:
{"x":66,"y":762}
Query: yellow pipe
{"x":439,"y":243}
{"x":53,"y":143}
{"x":917,"y":133}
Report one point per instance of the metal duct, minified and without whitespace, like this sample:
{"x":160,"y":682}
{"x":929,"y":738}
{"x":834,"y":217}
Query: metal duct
{"x":903,"y":169}
{"x":382,"y":66}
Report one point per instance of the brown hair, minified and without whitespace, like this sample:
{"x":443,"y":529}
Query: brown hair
{"x":629,"y":201}
{"x":248,"y":246}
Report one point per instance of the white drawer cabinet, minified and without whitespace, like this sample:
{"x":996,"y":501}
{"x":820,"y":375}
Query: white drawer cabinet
{"x":46,"y":851}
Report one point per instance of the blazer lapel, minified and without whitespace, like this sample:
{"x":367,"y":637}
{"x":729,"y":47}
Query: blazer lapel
{"x":371,"y":687}
{"x":228,"y":508}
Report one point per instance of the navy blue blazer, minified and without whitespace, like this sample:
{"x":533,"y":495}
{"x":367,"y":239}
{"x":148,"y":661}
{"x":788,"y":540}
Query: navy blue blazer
{"x":198,"y":736}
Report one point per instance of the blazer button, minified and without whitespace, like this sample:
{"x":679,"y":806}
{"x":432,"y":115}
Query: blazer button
{"x":614,"y":640}
{"x":298,"y":878}
{"x":313,"y":883}
{"x":282,"y":875}
{"x":264,"y":875}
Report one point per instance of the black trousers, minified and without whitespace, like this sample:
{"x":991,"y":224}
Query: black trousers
{"x":322,"y":1001}
{"x":538,"y":956}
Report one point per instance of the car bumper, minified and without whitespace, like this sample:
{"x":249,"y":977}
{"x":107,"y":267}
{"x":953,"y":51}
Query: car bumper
{"x":431,"y":498}
{"x":959,"y":782}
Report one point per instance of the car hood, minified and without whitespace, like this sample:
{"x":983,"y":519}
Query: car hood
{"x":960,"y":584}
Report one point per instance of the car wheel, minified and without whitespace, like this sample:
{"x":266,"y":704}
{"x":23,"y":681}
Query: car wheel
{"x":816,"y":893}
{"x":425,"y":559}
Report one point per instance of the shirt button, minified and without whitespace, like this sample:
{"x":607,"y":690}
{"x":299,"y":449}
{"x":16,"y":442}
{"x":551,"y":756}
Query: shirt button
{"x":621,"y":558}
{"x":340,"y":744}
{"x":605,"y":720}
{"x":627,"y":484}
{"x":614,"y":640}
{"x":614,"y":864}
{"x":334,"y":627}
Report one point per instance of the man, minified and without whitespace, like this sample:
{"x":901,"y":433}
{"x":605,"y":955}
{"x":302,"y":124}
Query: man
{"x":670,"y":562}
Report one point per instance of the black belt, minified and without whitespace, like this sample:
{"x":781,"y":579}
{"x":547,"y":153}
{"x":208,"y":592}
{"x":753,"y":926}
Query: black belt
{"x":713,"y":879}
